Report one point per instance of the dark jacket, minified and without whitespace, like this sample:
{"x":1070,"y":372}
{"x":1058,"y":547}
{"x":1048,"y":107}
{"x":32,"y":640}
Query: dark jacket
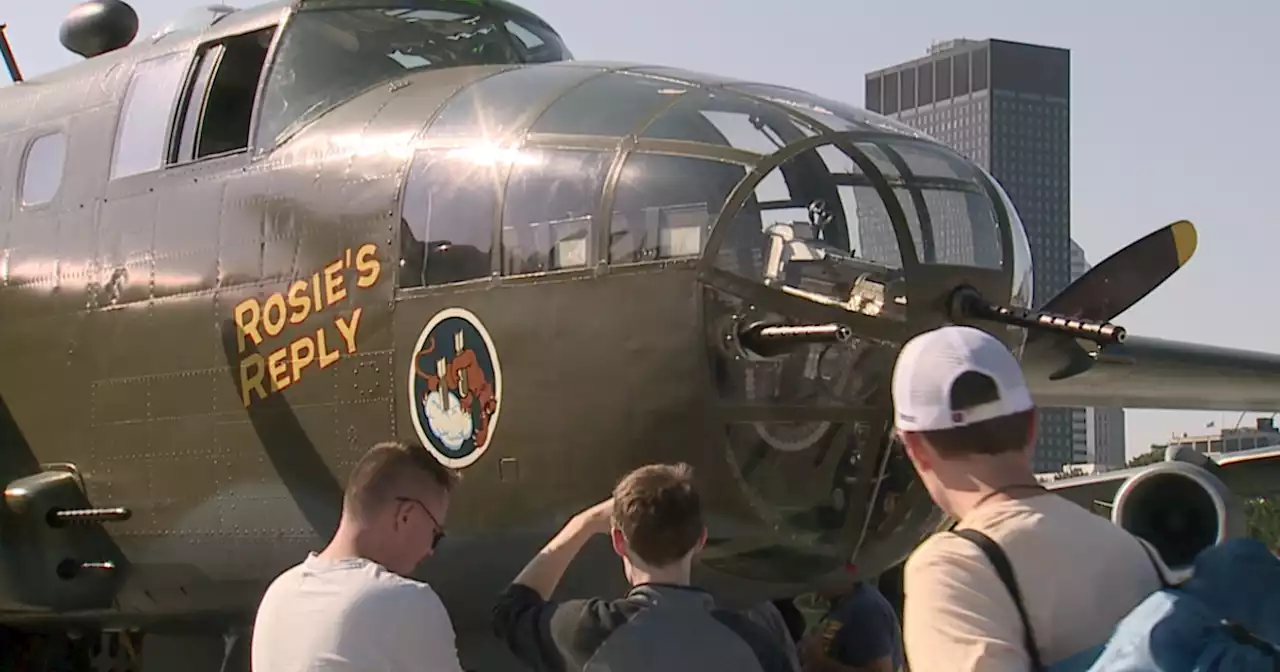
{"x":655,"y":627}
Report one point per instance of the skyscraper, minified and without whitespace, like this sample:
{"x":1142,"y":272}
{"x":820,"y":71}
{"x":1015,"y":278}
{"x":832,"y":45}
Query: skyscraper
{"x":1080,"y":453}
{"x":1006,"y":106}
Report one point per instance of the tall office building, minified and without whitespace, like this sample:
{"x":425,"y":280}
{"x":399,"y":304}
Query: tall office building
{"x":1097,"y":431}
{"x":1006,"y":106}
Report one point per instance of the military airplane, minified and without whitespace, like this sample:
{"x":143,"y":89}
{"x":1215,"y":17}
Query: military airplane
{"x":239,"y":251}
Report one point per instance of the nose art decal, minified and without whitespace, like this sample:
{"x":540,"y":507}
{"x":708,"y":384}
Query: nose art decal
{"x":455,"y":387}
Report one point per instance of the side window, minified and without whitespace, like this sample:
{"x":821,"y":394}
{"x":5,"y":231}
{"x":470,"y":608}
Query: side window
{"x":664,"y":206}
{"x":218,"y":103}
{"x":550,"y":202}
{"x":143,"y":128}
{"x":447,"y":222}
{"x":42,"y":168}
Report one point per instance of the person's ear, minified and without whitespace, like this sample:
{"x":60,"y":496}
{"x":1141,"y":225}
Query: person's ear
{"x":918,"y":450}
{"x":702,"y":541}
{"x":401,"y":515}
{"x":619,"y":542}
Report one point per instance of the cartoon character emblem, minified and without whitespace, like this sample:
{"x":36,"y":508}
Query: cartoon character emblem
{"x":455,"y":387}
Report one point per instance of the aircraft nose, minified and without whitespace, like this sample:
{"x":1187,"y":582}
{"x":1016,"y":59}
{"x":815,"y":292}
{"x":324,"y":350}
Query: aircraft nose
{"x":797,"y":211}
{"x":843,"y":242}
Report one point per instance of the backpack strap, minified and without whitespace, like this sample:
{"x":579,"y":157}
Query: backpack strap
{"x":1003,"y":570}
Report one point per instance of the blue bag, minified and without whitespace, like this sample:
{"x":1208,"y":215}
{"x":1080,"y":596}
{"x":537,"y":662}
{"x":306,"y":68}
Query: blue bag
{"x":1225,"y":618}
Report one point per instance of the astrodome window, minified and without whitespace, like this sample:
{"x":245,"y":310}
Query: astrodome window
{"x":332,"y":50}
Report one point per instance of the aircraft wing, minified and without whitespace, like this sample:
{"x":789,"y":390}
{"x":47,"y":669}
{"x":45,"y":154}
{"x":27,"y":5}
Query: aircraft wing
{"x":1251,"y":473}
{"x":1151,"y":373}
{"x":1248,"y":473}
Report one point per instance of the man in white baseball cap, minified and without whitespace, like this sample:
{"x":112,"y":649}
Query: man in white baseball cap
{"x":966,"y":418}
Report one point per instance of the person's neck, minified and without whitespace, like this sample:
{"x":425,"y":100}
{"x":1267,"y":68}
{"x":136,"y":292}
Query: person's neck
{"x":994,"y":484}
{"x":349,"y":543}
{"x":675,"y":575}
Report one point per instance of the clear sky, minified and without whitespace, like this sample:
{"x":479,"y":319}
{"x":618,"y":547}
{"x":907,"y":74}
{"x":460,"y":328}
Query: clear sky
{"x":1174,"y":116}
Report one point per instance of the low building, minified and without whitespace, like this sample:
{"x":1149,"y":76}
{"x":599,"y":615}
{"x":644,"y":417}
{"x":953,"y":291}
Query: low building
{"x":1263,"y":434}
{"x":1073,"y":470}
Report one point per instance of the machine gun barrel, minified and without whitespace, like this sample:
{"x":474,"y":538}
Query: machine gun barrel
{"x":60,"y":517}
{"x":769,"y":340}
{"x":967,"y":302}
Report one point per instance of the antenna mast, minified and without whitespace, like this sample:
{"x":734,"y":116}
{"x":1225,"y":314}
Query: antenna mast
{"x":9,"y":61}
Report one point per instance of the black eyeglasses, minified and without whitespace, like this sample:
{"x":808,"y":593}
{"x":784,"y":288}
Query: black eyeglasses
{"x":438,"y":535}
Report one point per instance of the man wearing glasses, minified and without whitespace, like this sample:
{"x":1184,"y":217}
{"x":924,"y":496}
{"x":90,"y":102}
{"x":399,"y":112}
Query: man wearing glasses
{"x":352,"y":606}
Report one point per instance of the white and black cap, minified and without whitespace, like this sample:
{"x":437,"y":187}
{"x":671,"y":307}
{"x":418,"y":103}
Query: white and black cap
{"x":928,"y":366}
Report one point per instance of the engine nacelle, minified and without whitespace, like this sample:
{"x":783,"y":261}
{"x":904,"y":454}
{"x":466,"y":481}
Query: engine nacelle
{"x":1181,"y":509}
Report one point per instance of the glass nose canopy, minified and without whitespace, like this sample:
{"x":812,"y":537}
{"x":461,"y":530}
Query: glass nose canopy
{"x":799,"y":209}
{"x":657,"y":156}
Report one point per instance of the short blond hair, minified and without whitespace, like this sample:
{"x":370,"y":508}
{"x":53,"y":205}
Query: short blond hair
{"x":386,"y":469}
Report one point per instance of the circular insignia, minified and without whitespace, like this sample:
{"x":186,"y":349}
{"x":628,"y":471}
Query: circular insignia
{"x":455,"y":387}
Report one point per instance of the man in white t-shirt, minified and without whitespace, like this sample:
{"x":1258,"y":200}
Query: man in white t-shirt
{"x":966,"y":418}
{"x":352,"y":605}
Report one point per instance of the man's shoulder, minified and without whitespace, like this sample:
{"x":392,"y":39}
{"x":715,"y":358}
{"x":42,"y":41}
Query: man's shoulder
{"x":284,"y":584}
{"x":941,"y":548}
{"x":568,"y":618}
{"x":599,"y":613}
{"x":405,"y":595}
{"x":1039,"y":539}
{"x":366,"y":585}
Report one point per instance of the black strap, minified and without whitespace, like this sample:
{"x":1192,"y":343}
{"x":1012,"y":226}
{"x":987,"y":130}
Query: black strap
{"x":1003,"y":570}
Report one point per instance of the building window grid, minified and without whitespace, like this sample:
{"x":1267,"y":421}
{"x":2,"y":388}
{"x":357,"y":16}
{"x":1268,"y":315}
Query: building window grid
{"x":1025,"y":144}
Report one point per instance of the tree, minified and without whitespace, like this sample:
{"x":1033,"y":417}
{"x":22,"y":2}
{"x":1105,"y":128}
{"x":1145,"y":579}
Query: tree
{"x":1156,"y":454}
{"x":1262,"y":519}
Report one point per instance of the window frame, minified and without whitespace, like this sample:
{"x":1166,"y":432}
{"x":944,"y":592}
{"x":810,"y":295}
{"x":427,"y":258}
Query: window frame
{"x":180,"y":56}
{"x":199,"y":78}
{"x":19,"y":194}
{"x":202,"y":71}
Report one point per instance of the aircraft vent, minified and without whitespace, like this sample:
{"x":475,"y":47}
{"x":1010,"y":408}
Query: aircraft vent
{"x":98,"y":26}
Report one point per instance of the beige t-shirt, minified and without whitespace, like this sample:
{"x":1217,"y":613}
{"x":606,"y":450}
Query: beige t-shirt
{"x":1079,"y":574}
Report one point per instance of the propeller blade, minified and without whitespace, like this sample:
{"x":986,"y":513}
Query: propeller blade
{"x":1125,"y":277}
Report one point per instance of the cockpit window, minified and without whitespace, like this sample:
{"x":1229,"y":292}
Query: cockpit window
{"x":332,"y":50}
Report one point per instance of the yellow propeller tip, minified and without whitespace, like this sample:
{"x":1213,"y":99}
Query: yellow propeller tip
{"x":1184,"y":240}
